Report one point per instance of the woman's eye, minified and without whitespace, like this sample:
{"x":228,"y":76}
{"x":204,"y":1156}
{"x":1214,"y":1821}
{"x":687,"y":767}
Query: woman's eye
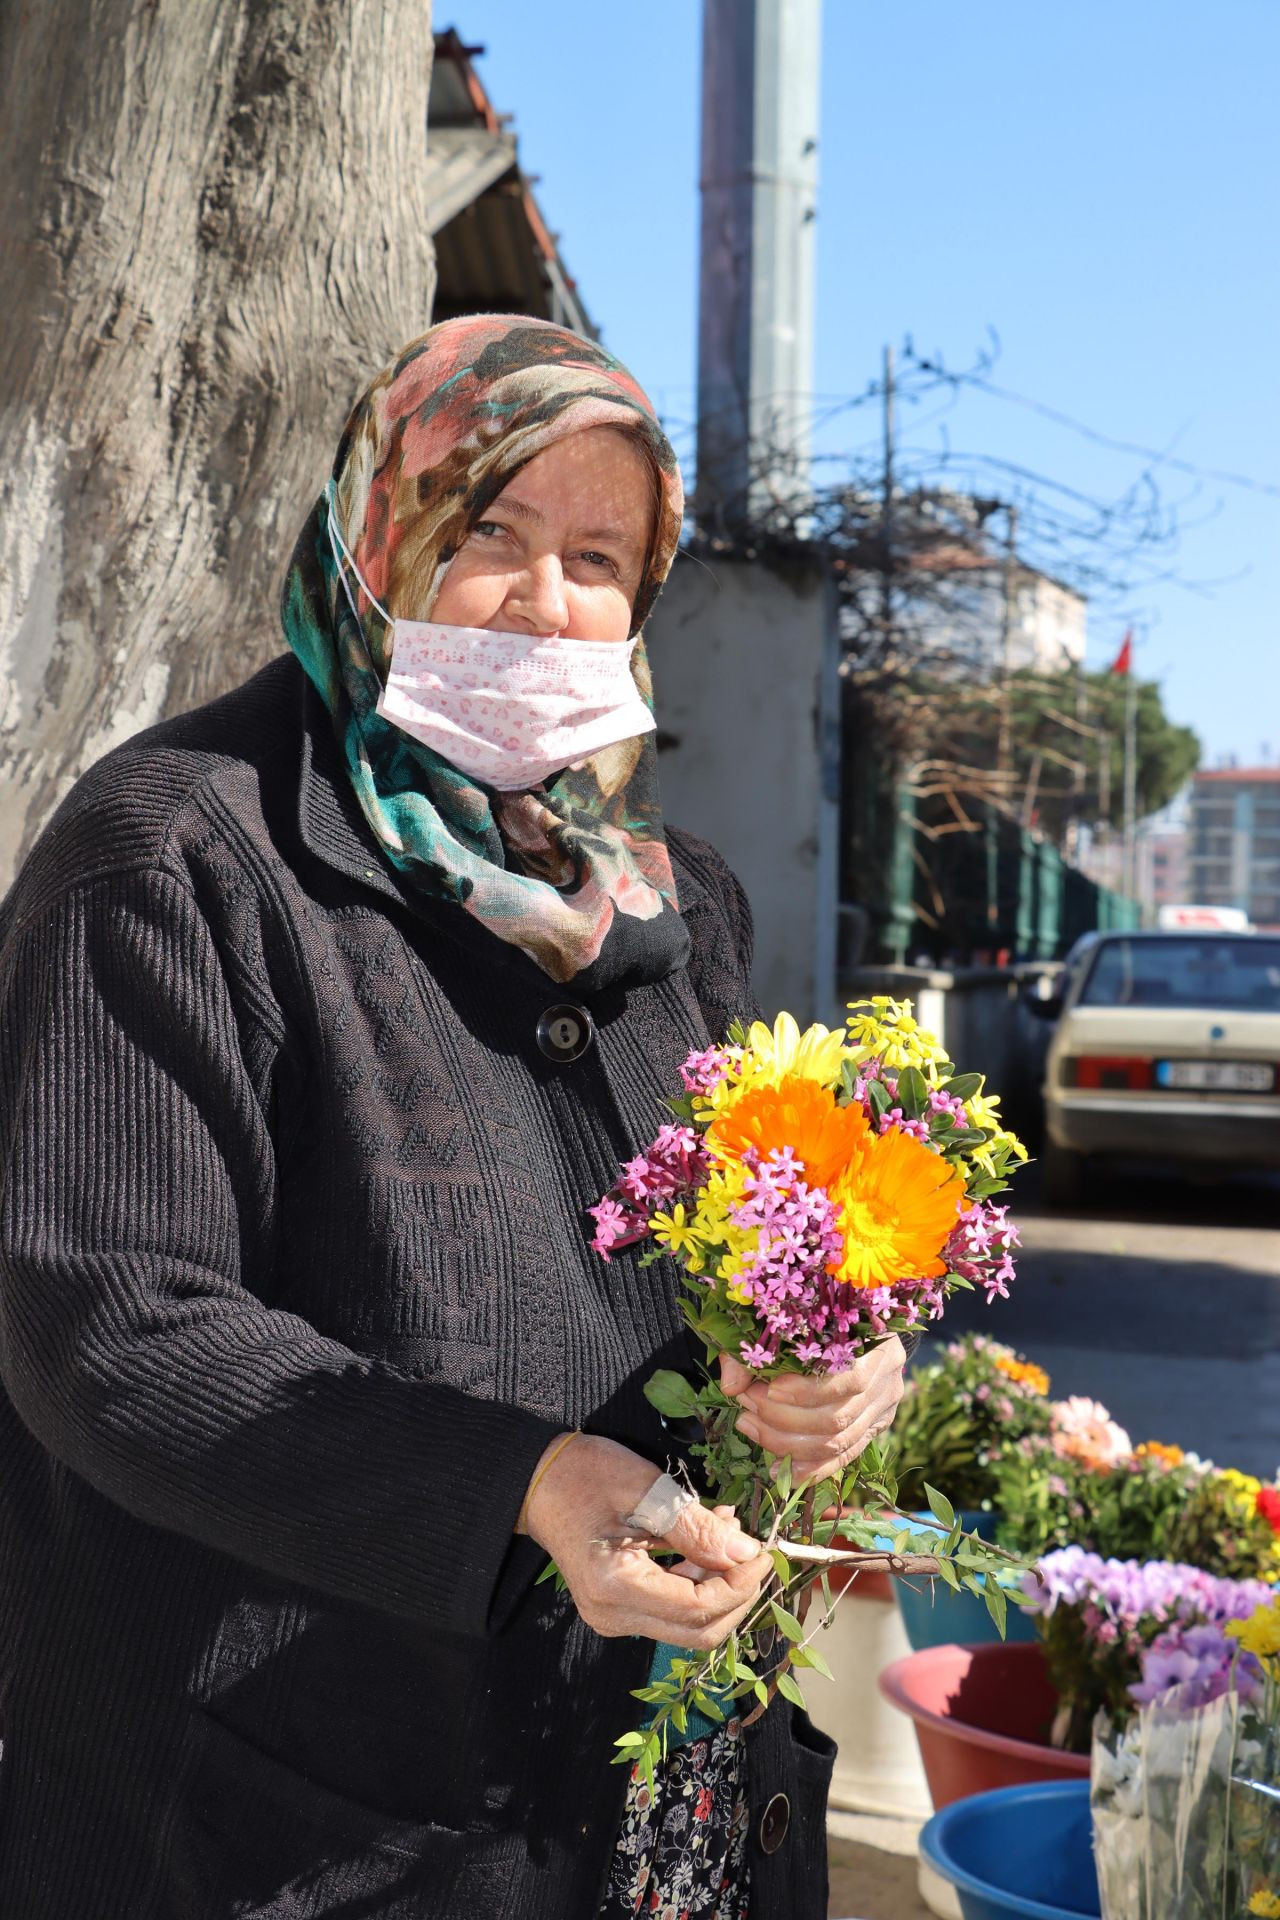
{"x":486,"y":529}
{"x":598,"y":560}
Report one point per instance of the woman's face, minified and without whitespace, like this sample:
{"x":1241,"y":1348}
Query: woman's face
{"x":562,"y":549}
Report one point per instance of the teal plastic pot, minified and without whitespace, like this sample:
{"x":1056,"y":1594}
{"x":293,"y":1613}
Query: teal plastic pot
{"x":934,"y":1616}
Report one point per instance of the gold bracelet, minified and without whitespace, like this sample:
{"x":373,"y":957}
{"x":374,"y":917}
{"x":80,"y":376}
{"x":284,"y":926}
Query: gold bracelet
{"x":544,"y":1468}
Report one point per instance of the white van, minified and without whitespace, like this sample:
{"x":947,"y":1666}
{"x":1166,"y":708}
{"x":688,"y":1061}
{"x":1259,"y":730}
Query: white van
{"x":1202,"y":920}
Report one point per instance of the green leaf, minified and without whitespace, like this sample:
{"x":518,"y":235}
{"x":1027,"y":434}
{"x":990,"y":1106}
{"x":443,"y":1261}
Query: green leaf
{"x":787,"y":1624}
{"x":880,"y":1098}
{"x":963,"y":1086}
{"x":789,"y":1689}
{"x":913,"y":1092}
{"x":705,"y":1704}
{"x":761,"y":1693}
{"x":939,"y":1506}
{"x":781,"y":1565}
{"x":675,"y":1397}
{"x":782,"y":1479}
{"x":997,"y":1605}
{"x":815,"y":1660}
{"x":720,"y":1333}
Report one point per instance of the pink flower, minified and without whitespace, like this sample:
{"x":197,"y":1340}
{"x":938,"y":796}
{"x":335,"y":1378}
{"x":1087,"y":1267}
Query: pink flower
{"x":1083,"y":1430}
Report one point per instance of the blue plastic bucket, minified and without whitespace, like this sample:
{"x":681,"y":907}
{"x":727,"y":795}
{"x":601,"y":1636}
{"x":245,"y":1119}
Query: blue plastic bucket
{"x":1018,"y":1853}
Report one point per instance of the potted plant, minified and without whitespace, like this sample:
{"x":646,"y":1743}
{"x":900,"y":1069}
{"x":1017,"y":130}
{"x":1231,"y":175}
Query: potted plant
{"x":957,"y":1418}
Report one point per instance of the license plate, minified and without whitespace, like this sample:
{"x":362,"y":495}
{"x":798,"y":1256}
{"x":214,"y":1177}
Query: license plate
{"x":1216,"y":1076}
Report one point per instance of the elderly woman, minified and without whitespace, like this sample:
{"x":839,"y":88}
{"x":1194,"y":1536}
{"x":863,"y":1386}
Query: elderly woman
{"x":325,"y":1012}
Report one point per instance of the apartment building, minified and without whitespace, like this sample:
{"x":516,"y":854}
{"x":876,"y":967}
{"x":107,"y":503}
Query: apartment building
{"x":1234,"y":836}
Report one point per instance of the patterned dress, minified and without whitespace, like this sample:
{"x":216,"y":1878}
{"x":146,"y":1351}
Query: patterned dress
{"x":681,"y":1852}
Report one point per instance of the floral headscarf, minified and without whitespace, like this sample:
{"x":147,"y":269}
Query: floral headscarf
{"x":574,"y":872}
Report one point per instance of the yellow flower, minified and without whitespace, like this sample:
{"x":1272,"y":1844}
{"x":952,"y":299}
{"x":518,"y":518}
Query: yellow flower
{"x":675,"y":1231}
{"x":1266,"y":1904}
{"x":1260,"y":1633}
{"x":889,"y":1032}
{"x":786,"y":1053}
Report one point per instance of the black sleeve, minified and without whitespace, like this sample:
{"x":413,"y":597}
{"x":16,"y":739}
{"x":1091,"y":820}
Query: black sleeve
{"x":137,"y":1192}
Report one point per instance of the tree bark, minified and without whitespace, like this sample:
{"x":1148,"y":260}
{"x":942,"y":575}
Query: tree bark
{"x":214,"y":229}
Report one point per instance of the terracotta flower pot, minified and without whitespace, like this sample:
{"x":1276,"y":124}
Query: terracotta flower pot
{"x":982,"y":1717}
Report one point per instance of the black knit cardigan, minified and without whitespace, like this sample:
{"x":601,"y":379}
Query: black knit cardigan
{"x":295,"y":1287}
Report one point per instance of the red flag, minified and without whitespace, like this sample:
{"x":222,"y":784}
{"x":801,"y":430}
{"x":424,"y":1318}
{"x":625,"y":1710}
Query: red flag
{"x":1123,"y":661}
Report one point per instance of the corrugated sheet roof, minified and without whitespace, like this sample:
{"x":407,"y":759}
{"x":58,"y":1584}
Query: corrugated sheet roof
{"x":494,"y":253}
{"x":462,"y":163}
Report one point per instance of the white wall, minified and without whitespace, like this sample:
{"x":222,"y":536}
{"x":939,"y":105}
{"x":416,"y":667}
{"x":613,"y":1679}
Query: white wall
{"x":745,"y":679}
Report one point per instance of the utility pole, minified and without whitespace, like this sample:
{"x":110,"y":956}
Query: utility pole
{"x":1004,"y":748}
{"x":886,"y":507}
{"x":1131,"y":783}
{"x":759,"y":182}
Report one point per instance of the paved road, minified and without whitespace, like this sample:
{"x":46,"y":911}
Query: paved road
{"x":1163,"y":1300}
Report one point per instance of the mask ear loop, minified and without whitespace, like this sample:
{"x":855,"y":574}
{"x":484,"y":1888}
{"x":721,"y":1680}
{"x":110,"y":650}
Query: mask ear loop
{"x":335,"y":541}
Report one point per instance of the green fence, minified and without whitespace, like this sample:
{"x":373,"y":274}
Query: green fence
{"x":994,"y":892}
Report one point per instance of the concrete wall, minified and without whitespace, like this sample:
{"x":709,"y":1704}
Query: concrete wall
{"x":745,"y":679}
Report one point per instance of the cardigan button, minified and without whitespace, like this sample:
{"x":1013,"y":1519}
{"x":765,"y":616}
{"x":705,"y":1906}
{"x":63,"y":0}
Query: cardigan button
{"x":774,"y":1822}
{"x":564,"y":1033}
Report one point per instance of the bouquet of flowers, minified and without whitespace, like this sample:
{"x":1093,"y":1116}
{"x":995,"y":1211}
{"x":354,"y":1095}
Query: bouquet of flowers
{"x":960,"y":1415}
{"x":1099,"y":1620}
{"x":1186,"y":1778}
{"x":821,"y":1191}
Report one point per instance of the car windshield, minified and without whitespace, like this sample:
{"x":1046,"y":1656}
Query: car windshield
{"x":1240,"y":975}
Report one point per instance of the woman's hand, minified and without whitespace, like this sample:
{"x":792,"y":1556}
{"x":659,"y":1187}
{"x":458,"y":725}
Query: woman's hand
{"x":823,"y":1420}
{"x":578,"y":1511}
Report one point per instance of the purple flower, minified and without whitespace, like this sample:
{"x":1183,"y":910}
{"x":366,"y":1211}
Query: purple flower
{"x":1201,"y":1662}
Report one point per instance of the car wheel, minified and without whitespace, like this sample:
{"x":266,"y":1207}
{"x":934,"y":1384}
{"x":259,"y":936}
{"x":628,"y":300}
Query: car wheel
{"x":1061,"y":1175}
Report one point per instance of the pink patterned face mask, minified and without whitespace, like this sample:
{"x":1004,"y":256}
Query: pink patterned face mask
{"x":511,"y":709}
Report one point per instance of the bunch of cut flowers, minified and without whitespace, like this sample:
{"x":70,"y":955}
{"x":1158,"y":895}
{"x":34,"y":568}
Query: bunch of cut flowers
{"x":960,"y":1415}
{"x":1185,"y":1773}
{"x":1098,"y":1618}
{"x":821,"y":1192}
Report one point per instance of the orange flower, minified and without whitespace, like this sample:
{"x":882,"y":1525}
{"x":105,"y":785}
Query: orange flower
{"x":1023,"y":1373}
{"x":899,"y":1203}
{"x":898,"y":1200}
{"x":1157,"y":1450}
{"x":797,"y":1113}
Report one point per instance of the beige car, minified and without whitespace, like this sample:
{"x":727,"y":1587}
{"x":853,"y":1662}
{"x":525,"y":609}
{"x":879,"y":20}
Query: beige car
{"x":1167,"y":1047}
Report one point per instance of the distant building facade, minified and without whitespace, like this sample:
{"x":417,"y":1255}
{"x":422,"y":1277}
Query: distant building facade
{"x":1234,"y":841}
{"x":1162,"y":868}
{"x":957,"y":597}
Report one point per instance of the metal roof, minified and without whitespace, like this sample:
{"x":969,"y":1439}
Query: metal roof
{"x":494,"y":252}
{"x":463,"y":163}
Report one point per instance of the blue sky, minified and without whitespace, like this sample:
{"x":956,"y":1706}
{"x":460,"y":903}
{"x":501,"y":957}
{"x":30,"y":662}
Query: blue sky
{"x":1097,"y":183}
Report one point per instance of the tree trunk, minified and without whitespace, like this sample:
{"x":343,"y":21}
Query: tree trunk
{"x":213,"y":228}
